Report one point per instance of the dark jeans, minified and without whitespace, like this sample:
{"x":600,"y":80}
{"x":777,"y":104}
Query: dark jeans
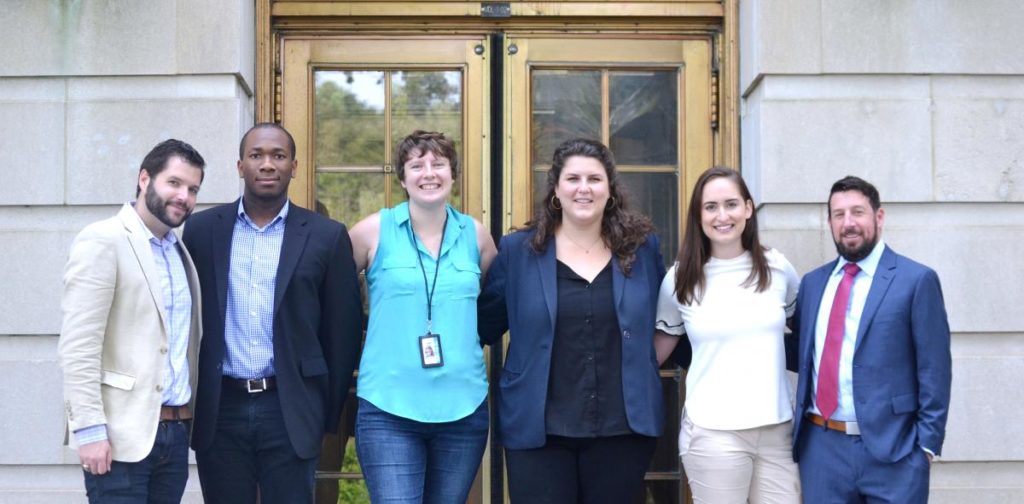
{"x":405,"y":461}
{"x":251,"y":451}
{"x":580,"y":470}
{"x":158,"y":478}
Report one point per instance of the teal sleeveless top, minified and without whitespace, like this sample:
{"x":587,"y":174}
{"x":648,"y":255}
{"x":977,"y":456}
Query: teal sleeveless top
{"x":391,"y":375}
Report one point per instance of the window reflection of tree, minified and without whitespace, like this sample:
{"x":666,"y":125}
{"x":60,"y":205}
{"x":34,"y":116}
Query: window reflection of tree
{"x":351,"y":136}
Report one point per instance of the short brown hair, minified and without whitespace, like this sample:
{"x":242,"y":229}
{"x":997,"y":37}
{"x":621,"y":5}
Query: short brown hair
{"x":424,"y":142}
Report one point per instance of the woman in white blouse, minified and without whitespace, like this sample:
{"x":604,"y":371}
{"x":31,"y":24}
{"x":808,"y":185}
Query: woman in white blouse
{"x":730,"y":296}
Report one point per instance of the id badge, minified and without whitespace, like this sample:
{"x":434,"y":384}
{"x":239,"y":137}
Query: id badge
{"x":430,"y":350}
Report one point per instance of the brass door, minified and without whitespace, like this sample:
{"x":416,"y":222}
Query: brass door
{"x":349,"y":99}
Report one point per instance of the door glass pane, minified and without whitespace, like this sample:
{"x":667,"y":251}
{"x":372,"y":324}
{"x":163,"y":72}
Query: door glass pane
{"x":429,"y":101}
{"x":657,"y":196}
{"x":349,"y":111}
{"x":348,"y":197}
{"x":565,"y":104}
{"x":642,"y":117}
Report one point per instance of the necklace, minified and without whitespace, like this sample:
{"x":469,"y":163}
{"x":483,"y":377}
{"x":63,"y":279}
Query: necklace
{"x":586,"y":250}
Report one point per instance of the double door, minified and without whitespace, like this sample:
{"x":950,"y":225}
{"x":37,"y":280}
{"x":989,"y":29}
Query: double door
{"x":507,"y":99}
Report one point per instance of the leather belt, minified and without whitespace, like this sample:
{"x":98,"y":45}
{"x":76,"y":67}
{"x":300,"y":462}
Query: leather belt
{"x":254,"y":386}
{"x":848,"y":428}
{"x":175,"y":413}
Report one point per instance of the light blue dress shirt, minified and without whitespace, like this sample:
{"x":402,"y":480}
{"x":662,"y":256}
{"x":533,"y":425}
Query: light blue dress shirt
{"x":249,"y":328}
{"x":858,"y":296}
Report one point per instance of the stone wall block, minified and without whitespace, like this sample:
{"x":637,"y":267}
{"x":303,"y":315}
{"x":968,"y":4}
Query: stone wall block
{"x":920,"y":37}
{"x":109,"y":139}
{"x":811,"y":144}
{"x":979,"y":138}
{"x":32,"y":126}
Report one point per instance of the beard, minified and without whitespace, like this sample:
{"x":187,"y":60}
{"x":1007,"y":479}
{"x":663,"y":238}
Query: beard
{"x":855,"y":254}
{"x":158,"y":207}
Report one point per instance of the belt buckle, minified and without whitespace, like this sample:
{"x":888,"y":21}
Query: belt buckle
{"x":262,"y":382}
{"x":852,"y":429}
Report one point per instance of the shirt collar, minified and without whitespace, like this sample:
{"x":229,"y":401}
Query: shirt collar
{"x":170,"y":237}
{"x":401,"y":214}
{"x":869,"y":264}
{"x":282,"y":215}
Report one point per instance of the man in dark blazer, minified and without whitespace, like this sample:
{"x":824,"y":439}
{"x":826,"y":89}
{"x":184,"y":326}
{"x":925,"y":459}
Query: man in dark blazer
{"x":874,"y":364}
{"x":282,"y":319}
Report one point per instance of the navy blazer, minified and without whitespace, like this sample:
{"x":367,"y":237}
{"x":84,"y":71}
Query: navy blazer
{"x":317,"y":321}
{"x":901,"y":362}
{"x":521,"y":296}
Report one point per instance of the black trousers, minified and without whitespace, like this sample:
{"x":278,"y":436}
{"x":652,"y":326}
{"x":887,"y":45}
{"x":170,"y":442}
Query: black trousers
{"x":581,"y":470}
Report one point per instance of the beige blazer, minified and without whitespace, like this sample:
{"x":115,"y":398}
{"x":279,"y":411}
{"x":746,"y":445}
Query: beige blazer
{"x":113,"y":342}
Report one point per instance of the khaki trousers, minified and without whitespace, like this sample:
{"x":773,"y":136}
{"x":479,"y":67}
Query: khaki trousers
{"x":739,"y":466}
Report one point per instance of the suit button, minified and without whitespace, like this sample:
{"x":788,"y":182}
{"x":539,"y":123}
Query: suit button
{"x":163,"y":350}
{"x":625,"y":334}
{"x":159,"y":388}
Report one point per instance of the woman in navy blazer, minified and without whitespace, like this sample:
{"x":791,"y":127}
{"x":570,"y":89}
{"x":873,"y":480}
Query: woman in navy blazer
{"x":580,"y":402}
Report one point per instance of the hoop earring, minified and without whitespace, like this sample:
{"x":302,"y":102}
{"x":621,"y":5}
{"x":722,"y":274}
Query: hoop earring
{"x":610,"y":205}
{"x":555,"y":203}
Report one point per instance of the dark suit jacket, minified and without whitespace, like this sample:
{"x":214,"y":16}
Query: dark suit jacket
{"x":521,"y":295}
{"x":901,"y":362}
{"x":317,"y":321}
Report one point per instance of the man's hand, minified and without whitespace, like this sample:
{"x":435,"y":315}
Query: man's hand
{"x":95,"y":457}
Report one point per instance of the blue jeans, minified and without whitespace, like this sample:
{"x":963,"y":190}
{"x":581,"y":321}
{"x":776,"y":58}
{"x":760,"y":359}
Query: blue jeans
{"x":251,"y":453}
{"x":405,"y":461}
{"x":158,"y":478}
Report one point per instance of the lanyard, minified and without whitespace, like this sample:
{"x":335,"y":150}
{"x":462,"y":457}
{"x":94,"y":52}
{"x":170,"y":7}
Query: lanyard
{"x":428,"y":290}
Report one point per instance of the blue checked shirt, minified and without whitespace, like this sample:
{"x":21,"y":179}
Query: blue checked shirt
{"x":177,"y":299}
{"x":249,"y":328}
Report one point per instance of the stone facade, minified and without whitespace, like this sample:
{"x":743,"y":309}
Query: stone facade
{"x":86,"y":89}
{"x":923,"y":98}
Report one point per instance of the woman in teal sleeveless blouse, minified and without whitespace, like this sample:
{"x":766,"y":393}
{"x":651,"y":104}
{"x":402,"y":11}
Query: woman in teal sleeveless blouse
{"x":422,"y":421}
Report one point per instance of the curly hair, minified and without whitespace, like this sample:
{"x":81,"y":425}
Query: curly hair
{"x":622,"y":229}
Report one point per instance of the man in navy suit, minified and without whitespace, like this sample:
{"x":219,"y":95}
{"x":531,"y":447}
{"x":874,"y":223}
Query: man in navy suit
{"x":874,"y":364}
{"x":282,"y":320}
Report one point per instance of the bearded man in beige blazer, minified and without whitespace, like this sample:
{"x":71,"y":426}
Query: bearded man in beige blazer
{"x":130,"y":336}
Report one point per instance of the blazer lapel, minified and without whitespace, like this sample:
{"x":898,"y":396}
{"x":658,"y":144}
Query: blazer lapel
{"x":619,"y":283}
{"x":223,"y":231}
{"x":879,"y":285}
{"x":139,"y":243}
{"x":295,"y":234}
{"x":809,"y":310}
{"x":548,"y":271}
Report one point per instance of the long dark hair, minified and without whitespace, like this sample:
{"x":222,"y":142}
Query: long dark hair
{"x":622,"y":230}
{"x":696,"y":249}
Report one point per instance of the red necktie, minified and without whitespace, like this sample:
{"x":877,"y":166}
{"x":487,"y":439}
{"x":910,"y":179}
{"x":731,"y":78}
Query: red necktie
{"x":828,"y":370}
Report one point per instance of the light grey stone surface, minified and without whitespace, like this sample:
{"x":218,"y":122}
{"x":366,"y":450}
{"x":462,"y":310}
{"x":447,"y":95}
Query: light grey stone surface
{"x":88,"y":38}
{"x":32,"y":128}
{"x":113,"y":37}
{"x":814,"y":130}
{"x":114,"y":122}
{"x":987,"y":368}
{"x":980,"y":282}
{"x":979,"y":138}
{"x":779,"y":39}
{"x":922,"y":36}
{"x":32,"y":426}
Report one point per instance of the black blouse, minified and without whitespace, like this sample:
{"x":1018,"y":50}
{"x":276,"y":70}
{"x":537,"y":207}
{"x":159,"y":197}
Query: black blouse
{"x":585,"y":382}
